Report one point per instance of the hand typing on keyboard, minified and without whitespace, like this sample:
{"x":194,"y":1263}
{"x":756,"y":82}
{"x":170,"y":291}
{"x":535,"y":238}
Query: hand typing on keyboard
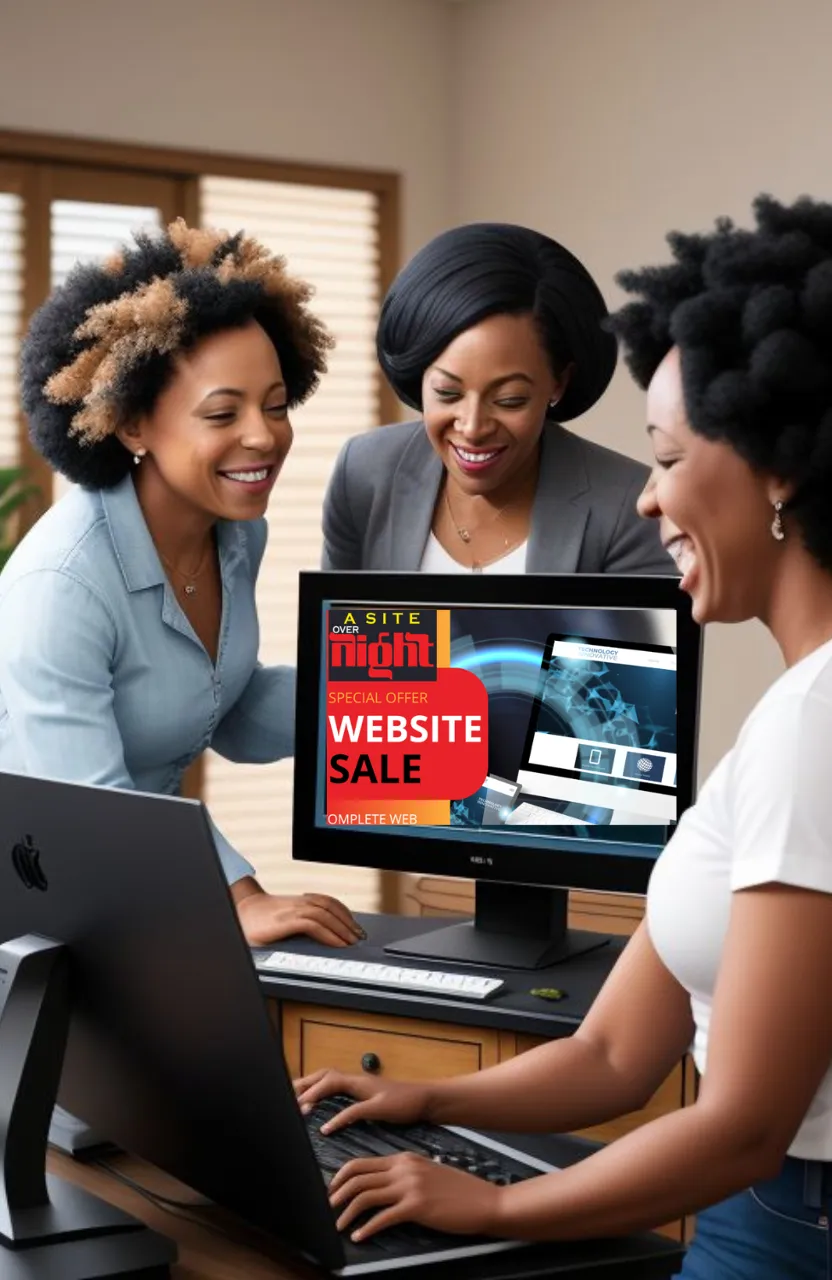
{"x":442,"y":1184}
{"x":376,"y":1099}
{"x":410,"y":1188}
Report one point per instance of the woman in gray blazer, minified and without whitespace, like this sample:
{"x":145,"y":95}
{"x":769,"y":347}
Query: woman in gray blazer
{"x":494,"y":333}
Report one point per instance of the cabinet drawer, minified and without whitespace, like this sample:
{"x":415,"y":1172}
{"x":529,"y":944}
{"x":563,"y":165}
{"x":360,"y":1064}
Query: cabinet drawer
{"x":399,"y":1048}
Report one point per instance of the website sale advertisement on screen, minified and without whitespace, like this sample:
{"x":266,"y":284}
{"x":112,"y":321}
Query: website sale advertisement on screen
{"x":405,"y":731}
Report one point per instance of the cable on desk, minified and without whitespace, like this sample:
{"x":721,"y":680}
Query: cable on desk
{"x":176,"y":1208}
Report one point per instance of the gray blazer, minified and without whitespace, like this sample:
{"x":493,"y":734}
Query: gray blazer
{"x":379,"y":506}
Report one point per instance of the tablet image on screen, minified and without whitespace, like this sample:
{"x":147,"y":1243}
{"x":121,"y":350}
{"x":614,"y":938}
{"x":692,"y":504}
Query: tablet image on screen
{"x":491,"y":806}
{"x":601,"y":743}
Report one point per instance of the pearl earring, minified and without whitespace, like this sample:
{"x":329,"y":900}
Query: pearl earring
{"x":777,"y":530}
{"x":138,"y":455}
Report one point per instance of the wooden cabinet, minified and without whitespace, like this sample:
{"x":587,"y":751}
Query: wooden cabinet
{"x":404,"y":1048}
{"x":399,"y":1048}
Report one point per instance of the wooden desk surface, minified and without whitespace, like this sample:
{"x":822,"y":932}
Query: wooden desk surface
{"x":205,"y":1251}
{"x":221,"y":1247}
{"x":513,"y":1009}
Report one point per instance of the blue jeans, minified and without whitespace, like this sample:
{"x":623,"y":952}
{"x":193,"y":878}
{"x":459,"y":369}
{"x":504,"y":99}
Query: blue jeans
{"x":777,"y":1230}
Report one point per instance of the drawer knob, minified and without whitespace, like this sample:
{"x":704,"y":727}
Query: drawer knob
{"x":371,"y":1062}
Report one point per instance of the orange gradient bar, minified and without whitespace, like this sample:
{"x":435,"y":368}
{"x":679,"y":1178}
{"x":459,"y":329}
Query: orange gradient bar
{"x":389,"y":813}
{"x":443,"y":637}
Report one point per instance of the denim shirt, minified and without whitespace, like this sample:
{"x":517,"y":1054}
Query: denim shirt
{"x":102,"y":677}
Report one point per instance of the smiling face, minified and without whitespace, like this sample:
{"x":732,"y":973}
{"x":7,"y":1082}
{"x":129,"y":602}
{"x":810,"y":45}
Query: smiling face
{"x":484,"y":401}
{"x":219,"y":432}
{"x":715,"y":512}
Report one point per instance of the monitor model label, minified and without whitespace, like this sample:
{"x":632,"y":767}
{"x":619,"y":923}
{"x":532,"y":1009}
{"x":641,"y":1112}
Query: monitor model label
{"x":400,"y":721}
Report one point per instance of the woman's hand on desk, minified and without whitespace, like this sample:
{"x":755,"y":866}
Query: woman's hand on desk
{"x":268,"y":917}
{"x":411,"y":1188}
{"x":375,"y":1099}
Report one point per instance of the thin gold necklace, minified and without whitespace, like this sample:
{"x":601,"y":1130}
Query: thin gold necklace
{"x":465,"y":534}
{"x":189,"y":579}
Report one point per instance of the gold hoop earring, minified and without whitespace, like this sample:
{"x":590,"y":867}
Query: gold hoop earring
{"x":777,"y":530}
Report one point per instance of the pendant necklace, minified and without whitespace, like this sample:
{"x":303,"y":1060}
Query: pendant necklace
{"x":188,"y":579}
{"x":465,"y":534}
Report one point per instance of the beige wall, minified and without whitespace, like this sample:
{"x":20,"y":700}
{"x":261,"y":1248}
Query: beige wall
{"x":607,"y":122}
{"x":352,"y":82}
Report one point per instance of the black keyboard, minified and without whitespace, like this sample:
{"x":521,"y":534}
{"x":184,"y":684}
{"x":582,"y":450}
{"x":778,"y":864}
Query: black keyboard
{"x":371,"y":1138}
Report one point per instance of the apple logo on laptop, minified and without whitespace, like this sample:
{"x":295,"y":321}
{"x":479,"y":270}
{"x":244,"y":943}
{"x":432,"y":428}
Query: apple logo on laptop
{"x":26,"y":862}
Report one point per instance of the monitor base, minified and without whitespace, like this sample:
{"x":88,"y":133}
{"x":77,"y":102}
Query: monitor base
{"x":514,"y":927}
{"x":466,"y":944}
{"x":140,"y":1254}
{"x":49,"y":1227}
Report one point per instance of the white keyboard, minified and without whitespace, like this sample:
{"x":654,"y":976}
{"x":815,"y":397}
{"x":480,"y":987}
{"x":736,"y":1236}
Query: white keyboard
{"x":457,"y":986}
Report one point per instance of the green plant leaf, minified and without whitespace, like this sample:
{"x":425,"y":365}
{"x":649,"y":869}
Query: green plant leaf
{"x":13,"y":494}
{"x":14,"y":500}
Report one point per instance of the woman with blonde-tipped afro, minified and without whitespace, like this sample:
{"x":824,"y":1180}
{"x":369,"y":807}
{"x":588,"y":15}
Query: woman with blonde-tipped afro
{"x":160,"y":382}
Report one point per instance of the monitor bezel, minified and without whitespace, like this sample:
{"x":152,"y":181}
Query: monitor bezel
{"x":571,"y":866}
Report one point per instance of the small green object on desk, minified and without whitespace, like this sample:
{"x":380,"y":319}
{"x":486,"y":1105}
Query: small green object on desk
{"x":548,"y":993}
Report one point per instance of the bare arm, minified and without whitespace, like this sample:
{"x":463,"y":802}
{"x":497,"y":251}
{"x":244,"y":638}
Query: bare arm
{"x":770,"y":1044}
{"x":638,"y":1028}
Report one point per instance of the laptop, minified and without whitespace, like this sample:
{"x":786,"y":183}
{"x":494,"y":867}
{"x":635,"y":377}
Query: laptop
{"x":171,"y":1053}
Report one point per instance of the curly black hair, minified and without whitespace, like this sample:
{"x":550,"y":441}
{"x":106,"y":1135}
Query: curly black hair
{"x":751,"y":314}
{"x":102,"y":348}
{"x":471,"y":272}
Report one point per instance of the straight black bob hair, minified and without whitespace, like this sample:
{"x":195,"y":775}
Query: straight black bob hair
{"x":472,"y":272}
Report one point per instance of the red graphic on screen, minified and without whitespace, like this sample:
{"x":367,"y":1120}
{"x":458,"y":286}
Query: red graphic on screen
{"x":408,"y":741}
{"x":403,"y":727}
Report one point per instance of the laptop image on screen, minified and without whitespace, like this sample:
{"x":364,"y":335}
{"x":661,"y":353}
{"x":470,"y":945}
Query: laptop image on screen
{"x":171,"y":1053}
{"x":601,"y":740}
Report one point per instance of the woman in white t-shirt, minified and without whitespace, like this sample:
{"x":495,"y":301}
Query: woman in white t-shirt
{"x":733,"y":342}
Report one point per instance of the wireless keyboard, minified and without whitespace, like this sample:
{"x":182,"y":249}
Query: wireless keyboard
{"x":457,"y":986}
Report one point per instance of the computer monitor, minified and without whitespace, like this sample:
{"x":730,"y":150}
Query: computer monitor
{"x":135,"y":987}
{"x":584,"y":690}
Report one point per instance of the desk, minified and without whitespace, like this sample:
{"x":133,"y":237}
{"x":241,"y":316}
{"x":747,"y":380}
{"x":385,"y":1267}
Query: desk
{"x":408,"y":1036}
{"x":221,"y":1248}
{"x":512,"y":1010}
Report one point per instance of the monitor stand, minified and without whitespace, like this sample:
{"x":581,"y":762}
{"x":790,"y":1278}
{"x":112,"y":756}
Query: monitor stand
{"x":49,"y":1227}
{"x":515,"y":926}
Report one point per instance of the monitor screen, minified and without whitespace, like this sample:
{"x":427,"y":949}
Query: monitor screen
{"x":538,"y":729}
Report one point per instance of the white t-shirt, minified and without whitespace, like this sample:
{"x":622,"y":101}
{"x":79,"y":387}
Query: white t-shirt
{"x":764,"y":815}
{"x":436,"y":560}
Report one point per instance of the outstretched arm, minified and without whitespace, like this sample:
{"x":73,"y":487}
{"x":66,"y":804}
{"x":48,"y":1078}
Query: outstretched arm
{"x":637,"y":1030}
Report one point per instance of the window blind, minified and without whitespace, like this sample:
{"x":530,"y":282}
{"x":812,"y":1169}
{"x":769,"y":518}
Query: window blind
{"x":11,"y":314}
{"x":89,"y":231}
{"x":330,"y":237}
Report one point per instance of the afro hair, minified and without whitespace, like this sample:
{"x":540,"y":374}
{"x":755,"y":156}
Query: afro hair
{"x":102,"y":348}
{"x":751,"y":314}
